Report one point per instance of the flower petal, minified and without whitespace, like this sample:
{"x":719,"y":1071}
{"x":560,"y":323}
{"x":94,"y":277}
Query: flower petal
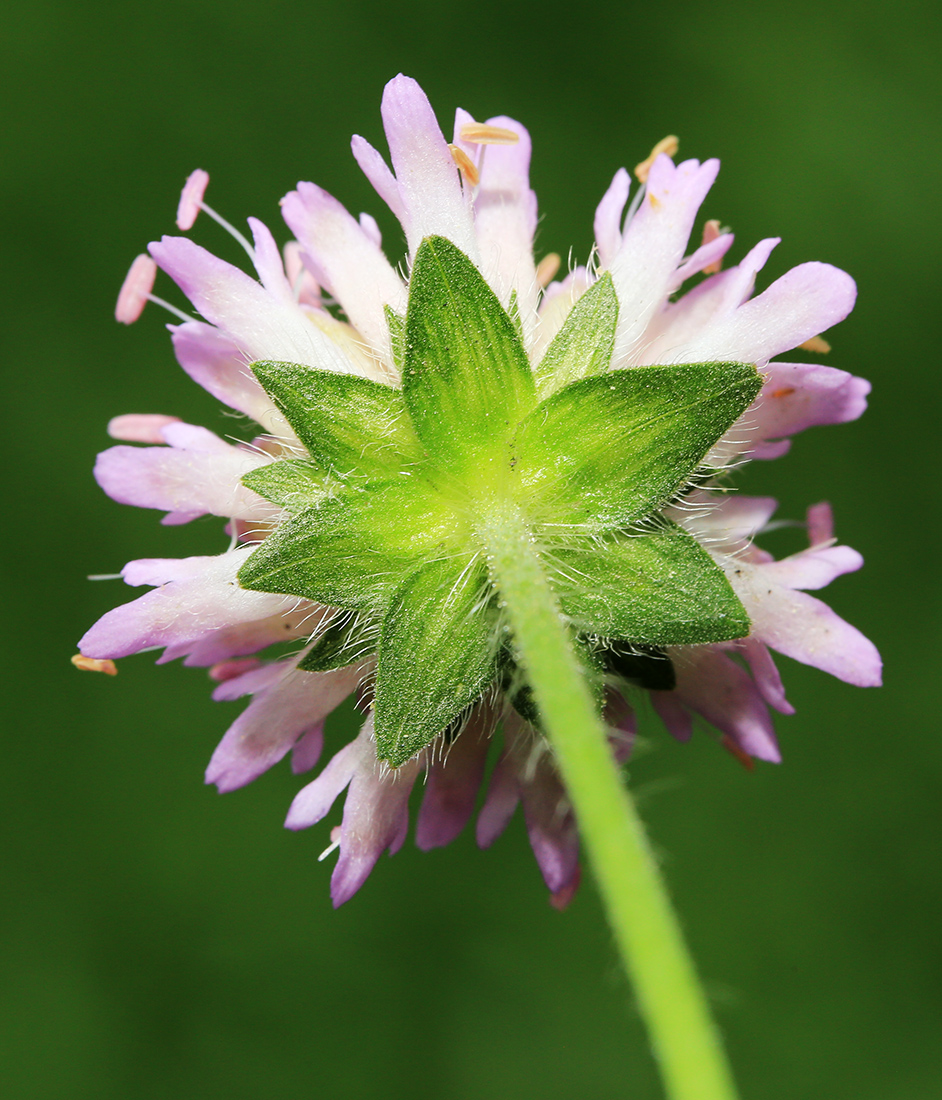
{"x":433,"y":200}
{"x":804,"y":628}
{"x":796,"y":396}
{"x":453,"y":784}
{"x":505,"y":217}
{"x":346,"y":261}
{"x":717,"y":688}
{"x":182,"y":609}
{"x":653,"y":245}
{"x":188,"y":477}
{"x":261,"y":325}
{"x":805,"y":301}
{"x":608,"y":215}
{"x":285,"y":707}
{"x":210,"y":358}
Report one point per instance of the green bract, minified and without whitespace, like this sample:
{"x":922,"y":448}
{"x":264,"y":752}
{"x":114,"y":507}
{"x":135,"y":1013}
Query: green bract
{"x":385,"y":516}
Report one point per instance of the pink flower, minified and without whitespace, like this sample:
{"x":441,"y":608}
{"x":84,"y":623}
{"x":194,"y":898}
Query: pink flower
{"x":475,"y":191}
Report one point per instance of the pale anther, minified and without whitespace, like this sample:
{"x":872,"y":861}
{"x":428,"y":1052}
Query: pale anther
{"x":482,"y":133}
{"x":191,"y":199}
{"x":668,"y":145}
{"x":816,"y":344}
{"x":547,"y":267}
{"x":465,"y":164}
{"x":93,"y":664}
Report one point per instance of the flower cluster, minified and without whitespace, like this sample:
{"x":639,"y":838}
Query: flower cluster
{"x":336,"y":338}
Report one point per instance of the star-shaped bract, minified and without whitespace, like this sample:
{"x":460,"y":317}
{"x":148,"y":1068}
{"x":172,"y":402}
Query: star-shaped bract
{"x":387,"y":512}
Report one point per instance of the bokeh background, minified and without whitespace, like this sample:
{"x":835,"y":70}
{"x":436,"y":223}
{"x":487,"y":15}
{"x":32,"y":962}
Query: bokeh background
{"x":160,"y":941}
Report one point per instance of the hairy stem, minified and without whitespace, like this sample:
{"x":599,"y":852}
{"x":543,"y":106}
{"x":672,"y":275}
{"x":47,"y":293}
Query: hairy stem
{"x":685,"y":1041}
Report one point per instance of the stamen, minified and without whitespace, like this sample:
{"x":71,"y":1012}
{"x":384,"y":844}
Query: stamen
{"x":466,"y":165}
{"x":547,"y":268}
{"x":668,"y":145}
{"x":230,"y":229}
{"x":191,"y":199}
{"x":741,"y":755}
{"x":481,"y":133}
{"x":168,"y":307}
{"x":140,"y":427}
{"x":334,"y":844}
{"x":93,"y":664}
{"x":191,"y":203}
{"x":816,"y":344}
{"x":135,"y":290}
{"x":711,"y":231}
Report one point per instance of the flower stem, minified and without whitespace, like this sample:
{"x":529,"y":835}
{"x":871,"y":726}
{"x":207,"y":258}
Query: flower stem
{"x":685,"y":1040}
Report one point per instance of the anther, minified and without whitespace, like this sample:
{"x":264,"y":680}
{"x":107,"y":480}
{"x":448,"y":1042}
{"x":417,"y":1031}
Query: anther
{"x":93,"y":664}
{"x":547,"y":268}
{"x":191,"y":203}
{"x":668,"y":145}
{"x":191,"y":199}
{"x":816,"y":344}
{"x":741,"y":755}
{"x":482,"y":133}
{"x":711,"y":231}
{"x":135,"y":290}
{"x":466,"y":165}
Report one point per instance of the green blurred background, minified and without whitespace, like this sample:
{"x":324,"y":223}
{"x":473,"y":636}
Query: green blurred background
{"x":161,"y":941}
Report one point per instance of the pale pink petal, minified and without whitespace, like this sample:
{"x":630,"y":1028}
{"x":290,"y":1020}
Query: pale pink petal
{"x":215,"y":362}
{"x":375,"y":817}
{"x":718,"y":689}
{"x":558,"y":299}
{"x":307,"y":750}
{"x":765,"y":675}
{"x":370,"y":227}
{"x":813,"y":568}
{"x":551,"y":825}
{"x":279,"y":714}
{"x":804,"y":302}
{"x":140,"y":427}
{"x":505,"y":217}
{"x":452,"y":785}
{"x":728,"y":519}
{"x":345,"y":260}
{"x":137,"y":285}
{"x":377,"y":172}
{"x":653,"y":244}
{"x":260,"y":325}
{"x":433,"y":200}
{"x":715,"y":298}
{"x":313,"y":802}
{"x":183,"y":480}
{"x":796,"y":396}
{"x":297,"y":621}
{"x":608,"y":215}
{"x":500,"y":803}
{"x":269,"y":264}
{"x":190,"y":199}
{"x":804,"y":628}
{"x":705,"y":256}
{"x":307,"y":292}
{"x":181,"y":610}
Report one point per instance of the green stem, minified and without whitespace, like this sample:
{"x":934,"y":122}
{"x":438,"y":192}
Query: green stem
{"x":685,"y":1040}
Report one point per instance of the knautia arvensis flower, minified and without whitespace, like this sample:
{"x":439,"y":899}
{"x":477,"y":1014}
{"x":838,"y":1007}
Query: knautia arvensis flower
{"x":401,"y":417}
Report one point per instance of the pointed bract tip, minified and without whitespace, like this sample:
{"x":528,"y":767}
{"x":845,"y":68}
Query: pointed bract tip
{"x":137,"y":285}
{"x":190,"y":199}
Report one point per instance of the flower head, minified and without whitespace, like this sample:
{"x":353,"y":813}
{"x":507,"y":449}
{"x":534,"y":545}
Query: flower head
{"x":402,"y":419}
